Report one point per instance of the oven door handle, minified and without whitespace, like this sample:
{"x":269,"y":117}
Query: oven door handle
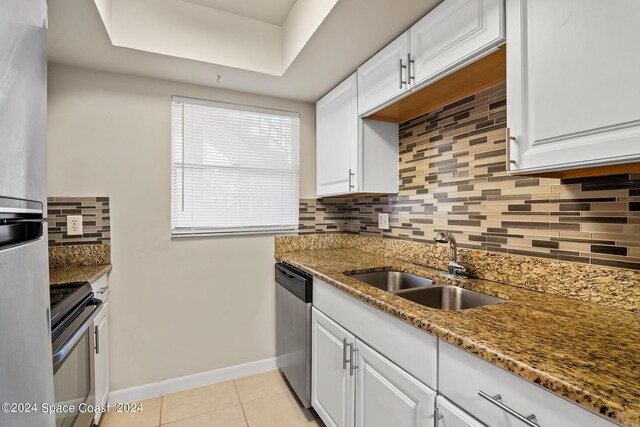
{"x":83,"y":321}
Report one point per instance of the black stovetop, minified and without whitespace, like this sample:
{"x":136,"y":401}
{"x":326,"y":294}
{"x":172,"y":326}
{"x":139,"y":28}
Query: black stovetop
{"x":65,"y":298}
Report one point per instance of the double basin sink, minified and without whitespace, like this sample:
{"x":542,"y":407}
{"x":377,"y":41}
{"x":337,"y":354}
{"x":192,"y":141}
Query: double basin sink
{"x":427,"y":292}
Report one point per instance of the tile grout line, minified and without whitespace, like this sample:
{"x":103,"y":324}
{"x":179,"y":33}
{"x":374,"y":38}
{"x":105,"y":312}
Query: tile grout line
{"x":161,"y":403}
{"x":244,"y":414}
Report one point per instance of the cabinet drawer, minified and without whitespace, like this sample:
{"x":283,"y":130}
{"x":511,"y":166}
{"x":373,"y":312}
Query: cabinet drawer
{"x":410,"y":348}
{"x":462,"y":376}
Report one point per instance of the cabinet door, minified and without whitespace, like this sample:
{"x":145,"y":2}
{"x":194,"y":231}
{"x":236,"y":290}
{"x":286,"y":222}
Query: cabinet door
{"x":101,"y":367}
{"x":454,"y":34}
{"x":332,"y":386}
{"x":388,"y":396}
{"x":449,"y":415}
{"x":573,"y":87}
{"x":337,"y":140}
{"x":384,"y":76}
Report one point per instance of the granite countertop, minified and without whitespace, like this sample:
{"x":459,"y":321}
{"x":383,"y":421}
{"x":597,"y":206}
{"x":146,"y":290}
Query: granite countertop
{"x":77,"y":274}
{"x":587,"y":353}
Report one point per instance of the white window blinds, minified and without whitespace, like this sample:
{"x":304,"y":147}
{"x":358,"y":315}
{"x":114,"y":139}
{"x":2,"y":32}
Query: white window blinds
{"x":234,"y":168}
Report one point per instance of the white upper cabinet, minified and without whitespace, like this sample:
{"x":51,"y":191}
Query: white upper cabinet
{"x":572,"y":83}
{"x":337,"y":140}
{"x":385,"y":76}
{"x":454,"y":34}
{"x":353,"y":155}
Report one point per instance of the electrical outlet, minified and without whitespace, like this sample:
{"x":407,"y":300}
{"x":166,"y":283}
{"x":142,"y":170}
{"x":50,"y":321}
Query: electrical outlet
{"x":383,"y":221}
{"x":74,"y":225}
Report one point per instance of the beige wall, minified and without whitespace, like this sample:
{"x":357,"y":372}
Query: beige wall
{"x":178,"y":306}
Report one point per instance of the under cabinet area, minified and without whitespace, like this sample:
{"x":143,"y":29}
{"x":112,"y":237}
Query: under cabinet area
{"x":572,"y":87}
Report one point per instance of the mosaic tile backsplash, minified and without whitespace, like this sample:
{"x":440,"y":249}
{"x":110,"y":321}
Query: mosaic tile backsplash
{"x":96,"y":223}
{"x":453,"y":178}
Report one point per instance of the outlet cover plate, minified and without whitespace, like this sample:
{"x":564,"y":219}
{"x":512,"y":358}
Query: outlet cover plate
{"x":74,"y":225}
{"x":383,"y":221}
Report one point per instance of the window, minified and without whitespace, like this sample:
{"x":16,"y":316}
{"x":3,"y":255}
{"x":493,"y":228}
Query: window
{"x":234,"y":168}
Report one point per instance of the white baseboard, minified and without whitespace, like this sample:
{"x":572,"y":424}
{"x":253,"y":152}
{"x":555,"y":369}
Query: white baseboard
{"x":190,"y":381}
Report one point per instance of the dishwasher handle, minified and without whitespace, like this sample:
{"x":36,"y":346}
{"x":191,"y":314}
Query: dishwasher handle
{"x":295,"y":281}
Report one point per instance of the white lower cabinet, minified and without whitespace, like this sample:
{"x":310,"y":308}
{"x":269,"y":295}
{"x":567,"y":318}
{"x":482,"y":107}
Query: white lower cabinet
{"x":449,"y":415}
{"x":332,"y":383}
{"x":101,"y":367}
{"x":354,"y":384}
{"x":388,"y":396}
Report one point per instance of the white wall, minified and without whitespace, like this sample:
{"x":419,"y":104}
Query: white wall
{"x":178,"y":306}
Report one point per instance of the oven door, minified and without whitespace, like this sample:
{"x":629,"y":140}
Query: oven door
{"x":73,"y":364}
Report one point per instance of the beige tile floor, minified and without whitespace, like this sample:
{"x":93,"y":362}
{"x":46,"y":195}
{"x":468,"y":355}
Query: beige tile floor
{"x":262,"y":400}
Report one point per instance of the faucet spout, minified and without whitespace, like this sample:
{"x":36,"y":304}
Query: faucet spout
{"x":453,"y":268}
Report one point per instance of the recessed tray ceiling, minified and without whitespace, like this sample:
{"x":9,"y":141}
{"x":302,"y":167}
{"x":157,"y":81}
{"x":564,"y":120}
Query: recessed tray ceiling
{"x":272,"y":11}
{"x":251,"y":35}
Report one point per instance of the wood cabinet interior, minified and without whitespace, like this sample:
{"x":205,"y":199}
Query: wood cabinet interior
{"x":622,"y":169}
{"x":481,"y":74}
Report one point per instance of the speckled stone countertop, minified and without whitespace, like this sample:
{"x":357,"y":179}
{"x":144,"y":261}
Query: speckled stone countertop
{"x":587,"y":353}
{"x":77,"y":274}
{"x":78,"y":263}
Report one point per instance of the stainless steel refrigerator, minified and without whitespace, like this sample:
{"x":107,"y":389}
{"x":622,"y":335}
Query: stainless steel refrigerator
{"x":26,"y":373}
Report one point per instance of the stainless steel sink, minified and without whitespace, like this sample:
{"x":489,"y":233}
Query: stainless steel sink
{"x":448,"y":297}
{"x":393,"y":280}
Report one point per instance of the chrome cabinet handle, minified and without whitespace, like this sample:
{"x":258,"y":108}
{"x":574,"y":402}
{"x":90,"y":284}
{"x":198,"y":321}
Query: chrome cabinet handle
{"x":529,"y":420}
{"x":410,"y":61}
{"x":103,"y":289}
{"x":344,"y":353}
{"x":353,"y":366}
{"x":509,"y":138}
{"x":96,"y":333}
{"x":402,"y":82}
{"x":351,"y":174}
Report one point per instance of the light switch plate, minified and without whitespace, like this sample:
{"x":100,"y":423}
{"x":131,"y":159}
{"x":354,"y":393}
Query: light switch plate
{"x":383,"y":221}
{"x":74,"y":225}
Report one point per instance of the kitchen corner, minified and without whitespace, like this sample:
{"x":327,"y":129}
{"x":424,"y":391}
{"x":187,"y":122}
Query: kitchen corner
{"x":84,"y":258}
{"x":79,"y":266}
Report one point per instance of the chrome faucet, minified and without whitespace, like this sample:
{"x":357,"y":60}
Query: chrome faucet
{"x":453,"y":269}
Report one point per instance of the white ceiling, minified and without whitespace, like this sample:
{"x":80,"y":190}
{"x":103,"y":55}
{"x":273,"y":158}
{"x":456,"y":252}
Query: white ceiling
{"x":352,"y":32}
{"x":269,"y":11}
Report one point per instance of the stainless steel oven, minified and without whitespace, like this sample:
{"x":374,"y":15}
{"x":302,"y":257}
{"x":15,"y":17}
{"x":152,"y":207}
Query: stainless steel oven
{"x":73,"y":364}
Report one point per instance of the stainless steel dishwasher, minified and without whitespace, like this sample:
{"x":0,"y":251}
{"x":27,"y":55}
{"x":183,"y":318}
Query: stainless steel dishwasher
{"x":293,"y":329}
